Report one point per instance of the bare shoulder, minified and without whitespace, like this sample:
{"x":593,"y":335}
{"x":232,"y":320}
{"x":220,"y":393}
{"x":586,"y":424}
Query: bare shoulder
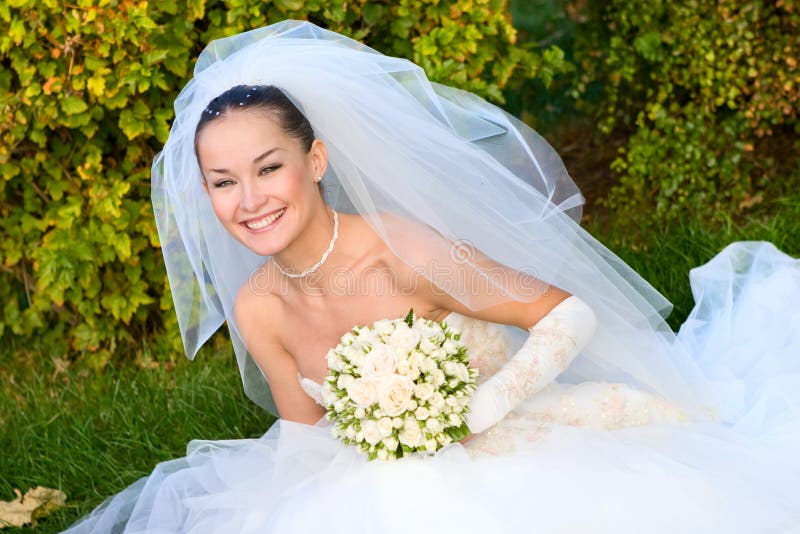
{"x":258,"y":315}
{"x":258,"y":312}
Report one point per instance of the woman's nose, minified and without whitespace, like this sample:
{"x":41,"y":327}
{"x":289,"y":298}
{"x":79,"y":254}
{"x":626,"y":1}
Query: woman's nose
{"x":252,"y":197}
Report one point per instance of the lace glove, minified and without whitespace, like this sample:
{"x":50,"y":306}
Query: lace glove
{"x":554,"y":342}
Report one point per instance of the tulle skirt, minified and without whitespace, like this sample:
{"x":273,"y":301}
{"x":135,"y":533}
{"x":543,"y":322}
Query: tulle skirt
{"x":742,"y":476}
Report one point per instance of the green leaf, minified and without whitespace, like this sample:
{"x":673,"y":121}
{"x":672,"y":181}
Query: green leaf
{"x":409,"y":319}
{"x":130,"y":125}
{"x":72,"y":105}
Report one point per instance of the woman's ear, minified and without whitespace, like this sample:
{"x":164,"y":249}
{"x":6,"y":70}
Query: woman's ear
{"x":319,"y":157}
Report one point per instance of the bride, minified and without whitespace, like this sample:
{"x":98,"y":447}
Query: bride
{"x":310,"y":184}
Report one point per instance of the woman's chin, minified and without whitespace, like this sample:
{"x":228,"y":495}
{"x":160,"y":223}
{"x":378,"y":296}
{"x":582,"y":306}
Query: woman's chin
{"x":263,"y":245}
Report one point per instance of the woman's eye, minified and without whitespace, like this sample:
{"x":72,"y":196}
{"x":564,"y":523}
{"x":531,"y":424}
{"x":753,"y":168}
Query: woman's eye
{"x":222,"y":183}
{"x":269,"y":169}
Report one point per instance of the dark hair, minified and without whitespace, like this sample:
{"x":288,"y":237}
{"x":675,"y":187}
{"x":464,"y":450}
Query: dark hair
{"x":266,"y":97}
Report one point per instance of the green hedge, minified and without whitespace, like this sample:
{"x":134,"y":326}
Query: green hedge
{"x":709,"y":95}
{"x":86,"y":92}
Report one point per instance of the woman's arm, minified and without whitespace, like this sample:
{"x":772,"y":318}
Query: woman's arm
{"x":560,"y":326}
{"x":255,"y":319}
{"x":553,"y":343}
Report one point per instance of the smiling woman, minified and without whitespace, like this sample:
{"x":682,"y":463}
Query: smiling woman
{"x":260,"y":164}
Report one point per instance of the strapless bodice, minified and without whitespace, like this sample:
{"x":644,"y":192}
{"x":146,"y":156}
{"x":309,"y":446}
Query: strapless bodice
{"x":593,"y":404}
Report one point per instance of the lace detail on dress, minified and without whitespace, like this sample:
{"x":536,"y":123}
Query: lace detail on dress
{"x":487,"y":343}
{"x":312,"y":388}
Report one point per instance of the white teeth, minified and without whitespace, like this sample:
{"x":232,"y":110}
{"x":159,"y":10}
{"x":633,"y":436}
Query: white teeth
{"x":261,"y":223}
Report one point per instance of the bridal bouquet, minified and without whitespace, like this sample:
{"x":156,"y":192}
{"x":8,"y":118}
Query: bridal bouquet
{"x":399,"y":387}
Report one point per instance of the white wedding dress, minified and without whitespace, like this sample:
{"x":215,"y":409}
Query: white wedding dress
{"x":589,"y":457}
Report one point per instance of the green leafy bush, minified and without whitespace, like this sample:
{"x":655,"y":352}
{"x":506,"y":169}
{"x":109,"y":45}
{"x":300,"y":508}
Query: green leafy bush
{"x":86,"y":92}
{"x":709,"y":93}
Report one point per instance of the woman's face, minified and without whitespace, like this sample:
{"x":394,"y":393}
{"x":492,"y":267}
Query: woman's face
{"x":260,"y":181}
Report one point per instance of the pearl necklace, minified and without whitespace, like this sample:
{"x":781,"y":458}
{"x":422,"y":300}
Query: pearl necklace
{"x":324,"y":256}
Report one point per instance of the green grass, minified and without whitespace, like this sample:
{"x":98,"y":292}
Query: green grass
{"x":92,"y":434}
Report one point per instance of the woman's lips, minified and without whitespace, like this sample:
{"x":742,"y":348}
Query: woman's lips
{"x":263,"y":223}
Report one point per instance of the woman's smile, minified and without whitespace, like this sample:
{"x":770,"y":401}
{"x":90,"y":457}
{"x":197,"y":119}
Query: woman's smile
{"x":265,"y":222}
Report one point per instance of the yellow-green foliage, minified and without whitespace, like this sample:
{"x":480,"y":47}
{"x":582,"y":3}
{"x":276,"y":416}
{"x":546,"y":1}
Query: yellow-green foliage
{"x":711,"y":92}
{"x":86,"y":92}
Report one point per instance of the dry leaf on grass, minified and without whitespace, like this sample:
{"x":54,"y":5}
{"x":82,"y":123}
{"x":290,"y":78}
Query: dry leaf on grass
{"x":35,"y":504}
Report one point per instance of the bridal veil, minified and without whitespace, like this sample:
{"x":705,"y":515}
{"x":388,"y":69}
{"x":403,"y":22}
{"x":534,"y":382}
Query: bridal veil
{"x":474,"y":197}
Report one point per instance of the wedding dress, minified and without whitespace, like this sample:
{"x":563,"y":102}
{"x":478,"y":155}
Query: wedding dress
{"x":590,"y":456}
{"x":643,"y":432}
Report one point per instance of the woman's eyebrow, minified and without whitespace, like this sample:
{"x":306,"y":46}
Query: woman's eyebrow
{"x":259,"y":158}
{"x":265,"y":154}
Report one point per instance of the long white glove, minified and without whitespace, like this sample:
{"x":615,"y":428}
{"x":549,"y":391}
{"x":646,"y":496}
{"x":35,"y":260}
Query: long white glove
{"x":554,"y":342}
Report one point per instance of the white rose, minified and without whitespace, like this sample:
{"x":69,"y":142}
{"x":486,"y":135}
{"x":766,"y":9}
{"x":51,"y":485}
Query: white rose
{"x":394,"y":394}
{"x":431,"y":445}
{"x":429,"y":365}
{"x":451,"y":368}
{"x":439,"y":353}
{"x":454,"y":382}
{"x":359,"y":413}
{"x":362,"y":392}
{"x":434,"y":411}
{"x":372,"y":434}
{"x":397,"y":422}
{"x":454,"y":419}
{"x":384,"y":326}
{"x":434,"y":425}
{"x":438,"y":377}
{"x":380,"y":361}
{"x":357,"y":359}
{"x":427,"y":346}
{"x":412,"y":405}
{"x":328,"y":394}
{"x":450,"y":346}
{"x":423,"y":391}
{"x":463,"y":372}
{"x":451,"y":401}
{"x":437,"y":400}
{"x":413,"y":374}
{"x":350,"y":352}
{"x":383,"y":454}
{"x":365,"y":337}
{"x":334,"y":360}
{"x":344,"y":380}
{"x":404,"y":338}
{"x":444,"y":439}
{"x":403,"y":367}
{"x":416,"y":358}
{"x":385,"y":426}
{"x":348,"y":338}
{"x":411,"y":435}
{"x":435,"y":334}
{"x":390,"y":443}
{"x":422,"y":413}
{"x":350,"y":432}
{"x":339,"y":405}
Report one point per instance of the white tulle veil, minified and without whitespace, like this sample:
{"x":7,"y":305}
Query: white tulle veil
{"x":480,"y":186}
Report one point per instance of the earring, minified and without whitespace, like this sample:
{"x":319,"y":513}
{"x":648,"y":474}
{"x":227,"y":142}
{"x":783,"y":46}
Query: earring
{"x":318,"y":179}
